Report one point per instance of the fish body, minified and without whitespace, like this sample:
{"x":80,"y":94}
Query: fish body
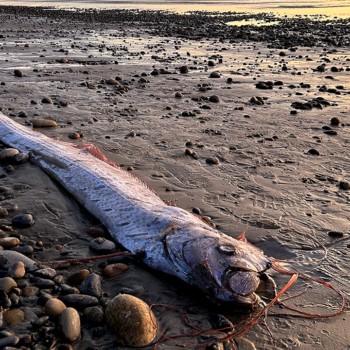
{"x":170,"y":239}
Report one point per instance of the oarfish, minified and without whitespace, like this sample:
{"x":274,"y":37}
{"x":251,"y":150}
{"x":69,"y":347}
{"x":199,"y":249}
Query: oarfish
{"x":167,"y":238}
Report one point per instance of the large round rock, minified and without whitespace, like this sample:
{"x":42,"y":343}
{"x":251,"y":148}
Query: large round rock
{"x":130,"y":319}
{"x":69,"y":325}
{"x":23,"y":221}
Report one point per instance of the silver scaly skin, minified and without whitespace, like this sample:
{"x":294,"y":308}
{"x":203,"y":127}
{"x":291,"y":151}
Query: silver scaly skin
{"x":171,"y":239}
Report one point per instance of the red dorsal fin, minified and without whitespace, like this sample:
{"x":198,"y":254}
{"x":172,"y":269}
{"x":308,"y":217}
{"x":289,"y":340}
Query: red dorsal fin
{"x":242,"y":238}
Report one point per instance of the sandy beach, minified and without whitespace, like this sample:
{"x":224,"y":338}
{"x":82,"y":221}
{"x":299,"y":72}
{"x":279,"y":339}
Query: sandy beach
{"x":233,"y":122}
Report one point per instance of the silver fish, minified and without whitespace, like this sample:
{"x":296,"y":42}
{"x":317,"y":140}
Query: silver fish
{"x":171,"y":239}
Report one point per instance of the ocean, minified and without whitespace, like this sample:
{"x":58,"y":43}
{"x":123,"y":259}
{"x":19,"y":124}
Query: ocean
{"x":332,"y":8}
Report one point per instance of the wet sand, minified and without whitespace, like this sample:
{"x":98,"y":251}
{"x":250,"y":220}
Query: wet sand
{"x":266,"y":181}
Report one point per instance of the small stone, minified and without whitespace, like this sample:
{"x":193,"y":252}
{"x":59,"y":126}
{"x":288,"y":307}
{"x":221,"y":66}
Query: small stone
{"x":43,"y":123}
{"x":74,"y":135}
{"x":178,"y":94}
{"x":14,"y":317}
{"x":22,"y":114}
{"x":7,"y":154}
{"x":314,"y":152}
{"x":9,"y":169}
{"x":58,"y":279}
{"x":335,"y":234}
{"x":94,"y":315}
{"x":111,"y":82}
{"x":335,"y":121}
{"x":78,"y":277}
{"x":214,"y":99}
{"x":214,"y":75}
{"x":206,"y":218}
{"x":8,"y":341}
{"x":115,"y":269}
{"x":43,"y":299}
{"x":344,"y":185}
{"x":16,"y":270}
{"x":79,"y":301}
{"x":96,"y":231}
{"x":129,"y":317}
{"x":66,"y":289}
{"x":102,"y":246}
{"x":92,"y":286}
{"x":196,"y":211}
{"x":23,"y":221}
{"x":212,"y":160}
{"x":20,"y":158}
{"x":184,"y":69}
{"x":46,"y":100}
{"x":188,"y":152}
{"x":18,"y":73}
{"x":54,"y":307}
{"x":9,"y":242}
{"x":46,"y":284}
{"x":3,"y":212}
{"x":34,"y":102}
{"x":29,"y":291}
{"x":40,"y":321}
{"x":25,"y":250}
{"x":7,"y":284}
{"x":47,"y":272}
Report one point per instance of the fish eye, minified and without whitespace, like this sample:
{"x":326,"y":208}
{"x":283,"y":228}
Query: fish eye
{"x":227,"y":249}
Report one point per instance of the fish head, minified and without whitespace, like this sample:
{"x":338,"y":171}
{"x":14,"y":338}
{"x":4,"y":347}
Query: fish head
{"x":225,"y":268}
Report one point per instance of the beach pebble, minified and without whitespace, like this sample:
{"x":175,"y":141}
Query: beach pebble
{"x":212,"y":160}
{"x":22,"y":114}
{"x":43,"y":298}
{"x":115,"y":269}
{"x":214,"y":99}
{"x":7,"y":154}
{"x":335,"y":121}
{"x":43,"y":123}
{"x":3,"y":212}
{"x":7,"y":284}
{"x":29,"y":291}
{"x":94,"y":315}
{"x":18,"y":73}
{"x":46,"y":284}
{"x":111,"y":82}
{"x":184,"y":69}
{"x":314,"y":152}
{"x":178,"y":94}
{"x":214,"y":75}
{"x":92,"y":286}
{"x":66,"y":289}
{"x":23,"y":221}
{"x":96,"y":231}
{"x":25,"y":250}
{"x":40,"y":321}
{"x":74,"y":135}
{"x":101,"y":245}
{"x":344,"y":185}
{"x":79,"y":301}
{"x":335,"y":234}
{"x":14,"y":317}
{"x":64,"y":103}
{"x":9,"y":169}
{"x":78,"y":277}
{"x":54,"y":307}
{"x":8,"y":341}
{"x":46,"y":100}
{"x":196,"y":211}
{"x":47,"y":272}
{"x":129,"y":317}
{"x":69,"y":325}
{"x":9,"y":242}
{"x":20,"y":158}
{"x":16,"y":270}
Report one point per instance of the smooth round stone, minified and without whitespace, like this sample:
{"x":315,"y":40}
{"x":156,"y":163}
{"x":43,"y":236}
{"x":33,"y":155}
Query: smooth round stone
{"x":129,"y":317}
{"x":20,"y":158}
{"x":14,"y":317}
{"x":23,"y":221}
{"x":9,"y":242}
{"x":16,"y":270}
{"x":25,"y":249}
{"x":42,"y":283}
{"x":114,"y":270}
{"x":69,"y":325}
{"x":74,"y":135}
{"x":112,"y":82}
{"x":96,"y":231}
{"x":214,"y":75}
{"x":3,"y":212}
{"x":94,"y":315}
{"x":29,"y":291}
{"x":54,"y":307}
{"x":7,"y":284}
{"x":7,"y":154}
{"x":66,"y":289}
{"x":214,"y":99}
{"x":18,"y":73}
{"x":344,"y":185}
{"x":178,"y":94}
{"x":43,"y":123}
{"x":80,"y":301}
{"x":40,"y":321}
{"x":101,"y":245}
{"x":47,"y":272}
{"x":212,"y":160}
{"x":8,"y":341}
{"x":78,"y":277}
{"x":92,"y":286}
{"x":46,"y":100}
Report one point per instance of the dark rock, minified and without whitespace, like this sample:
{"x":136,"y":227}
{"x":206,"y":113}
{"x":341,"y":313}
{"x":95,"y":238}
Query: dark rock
{"x":101,"y":245}
{"x":46,"y":100}
{"x":94,"y":315}
{"x":92,"y":286}
{"x":314,"y":152}
{"x":20,"y":158}
{"x":47,"y":272}
{"x":23,"y":221}
{"x":25,"y":250}
{"x":9,"y":341}
{"x":79,"y":301}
